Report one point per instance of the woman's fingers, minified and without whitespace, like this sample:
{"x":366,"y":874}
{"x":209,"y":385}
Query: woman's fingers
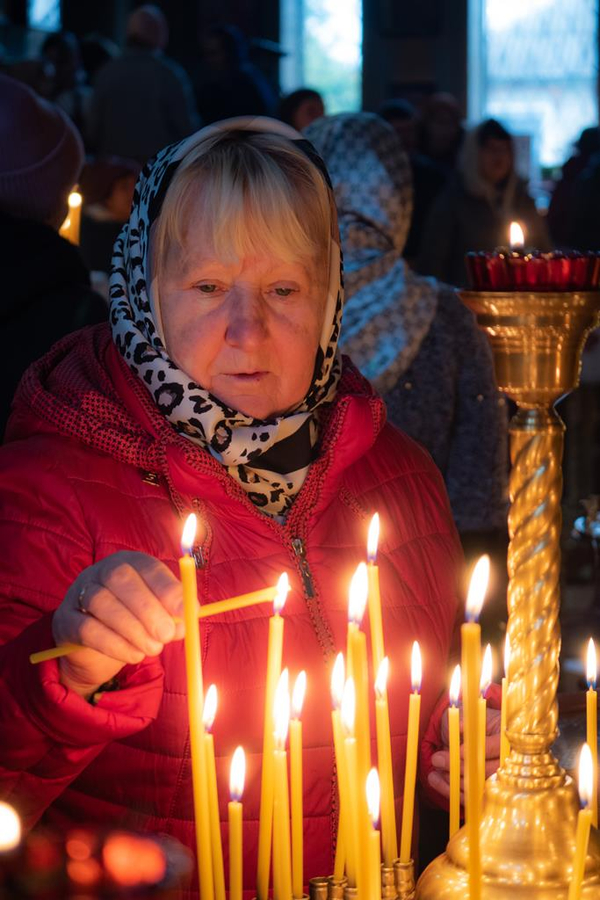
{"x":115,"y":613}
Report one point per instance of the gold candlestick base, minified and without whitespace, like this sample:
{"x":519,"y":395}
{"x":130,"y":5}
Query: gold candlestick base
{"x":336,"y":888}
{"x":530,"y":806}
{"x":404,"y":874}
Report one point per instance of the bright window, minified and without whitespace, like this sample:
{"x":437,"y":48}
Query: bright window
{"x":533,"y":64}
{"x":44,"y":14}
{"x":323,"y":42}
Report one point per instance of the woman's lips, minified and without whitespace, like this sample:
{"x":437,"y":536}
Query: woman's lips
{"x":247,"y":377}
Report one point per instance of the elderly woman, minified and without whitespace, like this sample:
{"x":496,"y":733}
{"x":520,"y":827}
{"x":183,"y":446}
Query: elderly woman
{"x":217,"y":388}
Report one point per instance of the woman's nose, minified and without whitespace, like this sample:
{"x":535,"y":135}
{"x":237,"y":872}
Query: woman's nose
{"x":247,"y":325}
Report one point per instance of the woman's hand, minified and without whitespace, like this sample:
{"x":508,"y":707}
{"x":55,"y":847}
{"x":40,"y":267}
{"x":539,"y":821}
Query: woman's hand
{"x":122,"y":609}
{"x":440,"y":777}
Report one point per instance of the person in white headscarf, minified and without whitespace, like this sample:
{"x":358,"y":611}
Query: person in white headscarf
{"x":410,"y":335}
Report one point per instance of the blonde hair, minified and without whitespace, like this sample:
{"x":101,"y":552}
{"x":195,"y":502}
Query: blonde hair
{"x":258,"y":192}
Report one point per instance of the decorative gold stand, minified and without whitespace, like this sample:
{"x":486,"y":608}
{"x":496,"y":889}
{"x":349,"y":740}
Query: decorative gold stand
{"x":530,"y":805}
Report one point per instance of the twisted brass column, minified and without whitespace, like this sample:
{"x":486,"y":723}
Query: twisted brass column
{"x":530,"y":805}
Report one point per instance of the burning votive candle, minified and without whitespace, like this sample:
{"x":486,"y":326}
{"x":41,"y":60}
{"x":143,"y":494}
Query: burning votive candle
{"x":235,"y":817}
{"x":282,"y":862}
{"x":454,"y":741}
{"x":592,"y":725}
{"x":375,"y":617}
{"x":484,"y":686}
{"x":412,"y":747}
{"x":344,"y":835}
{"x":373,"y":803}
{"x":471,"y":664}
{"x":274,"y":656}
{"x":384,"y":760}
{"x":504,"y":745}
{"x":10,"y":828}
{"x":296,"y":777}
{"x":208,"y":719}
{"x":584,"y":823}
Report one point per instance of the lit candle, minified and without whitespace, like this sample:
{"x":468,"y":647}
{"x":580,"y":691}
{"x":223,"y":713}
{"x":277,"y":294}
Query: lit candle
{"x":274,"y":654}
{"x":592,"y":725}
{"x":504,"y":745}
{"x":282,"y":862}
{"x":454,"y":740}
{"x":71,"y":226}
{"x":234,"y":809}
{"x":412,"y":748}
{"x":384,"y":759}
{"x":343,"y":846}
{"x":296,"y":778}
{"x":471,"y":664}
{"x":348,"y":715}
{"x":484,"y":686}
{"x":10,"y":828}
{"x":516,"y":238}
{"x":358,"y":671}
{"x":373,"y":803}
{"x":584,"y":823}
{"x":375,"y":619}
{"x":195,"y":691}
{"x":208,"y":718}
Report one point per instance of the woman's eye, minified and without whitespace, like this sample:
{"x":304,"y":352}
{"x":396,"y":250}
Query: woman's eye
{"x":283,"y":291}
{"x":207,"y":288}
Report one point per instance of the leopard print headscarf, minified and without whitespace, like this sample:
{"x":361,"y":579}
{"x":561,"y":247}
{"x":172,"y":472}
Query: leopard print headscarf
{"x":270,"y":458}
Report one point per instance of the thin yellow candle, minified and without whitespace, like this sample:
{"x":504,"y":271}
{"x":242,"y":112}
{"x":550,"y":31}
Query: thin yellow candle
{"x":584,"y":823}
{"x":592,"y":725}
{"x":274,"y":655}
{"x":373,"y":804}
{"x":348,"y":715}
{"x":193,"y":666}
{"x":282,"y":862}
{"x":484,"y":686}
{"x":345,"y":854}
{"x":296,"y":778}
{"x":471,"y":664}
{"x":234,"y":812}
{"x":208,"y":718}
{"x":504,"y":745}
{"x":375,"y":618}
{"x":454,"y":740}
{"x":389,"y":835}
{"x":412,"y":748}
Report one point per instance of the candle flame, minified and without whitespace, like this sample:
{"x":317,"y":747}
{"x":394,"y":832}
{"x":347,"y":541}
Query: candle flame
{"x":592,"y":669}
{"x":382,"y":678}
{"x":283,"y":589}
{"x":210,"y":708}
{"x":359,"y":592}
{"x":506,"y":656}
{"x":74,"y":199}
{"x":373,"y":539}
{"x":516,"y":237}
{"x":373,"y":796}
{"x":455,"y":686}
{"x":298,"y":694}
{"x":10,"y":827}
{"x":586,"y":775}
{"x":188,"y":535}
{"x":478,"y":587}
{"x":337,"y":681}
{"x":237,"y":774}
{"x":348,"y":708}
{"x":281,"y":710}
{"x":486,"y":671}
{"x":416,"y":668}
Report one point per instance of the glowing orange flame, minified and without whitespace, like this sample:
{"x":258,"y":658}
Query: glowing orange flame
{"x":337,"y":681}
{"x":478,"y":587}
{"x":210,"y":708}
{"x":359,"y":592}
{"x":283,"y":589}
{"x":373,"y":539}
{"x":455,"y":686}
{"x":382,"y":678}
{"x":188,"y":535}
{"x":373,"y":796}
{"x":237,"y":774}
{"x":298,"y":695}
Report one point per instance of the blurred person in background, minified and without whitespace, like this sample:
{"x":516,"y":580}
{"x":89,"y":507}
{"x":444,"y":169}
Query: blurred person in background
{"x":475,"y":209}
{"x":560,"y":212}
{"x":142,"y":100}
{"x":301,"y":107}
{"x":45,"y":285}
{"x":107,"y":187}
{"x":441,"y":130}
{"x":428,"y":178}
{"x":69,"y":88}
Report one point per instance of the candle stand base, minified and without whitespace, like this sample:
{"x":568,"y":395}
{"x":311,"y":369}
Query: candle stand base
{"x":350,"y":893}
{"x":404,"y":876}
{"x":336,"y":888}
{"x":388,"y":883}
{"x":527,"y":833}
{"x":317,"y":888}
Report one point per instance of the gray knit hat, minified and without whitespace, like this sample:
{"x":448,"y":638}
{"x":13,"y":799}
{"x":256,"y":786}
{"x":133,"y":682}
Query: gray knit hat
{"x":41,"y":153}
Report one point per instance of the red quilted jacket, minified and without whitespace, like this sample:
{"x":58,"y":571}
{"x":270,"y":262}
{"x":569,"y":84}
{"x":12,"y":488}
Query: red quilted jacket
{"x":91,"y":468}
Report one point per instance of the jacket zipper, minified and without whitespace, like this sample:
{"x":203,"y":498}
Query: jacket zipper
{"x":307,"y":580}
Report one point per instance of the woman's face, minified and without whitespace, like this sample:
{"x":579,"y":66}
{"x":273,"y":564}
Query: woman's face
{"x":246,"y":331}
{"x":495,"y":160}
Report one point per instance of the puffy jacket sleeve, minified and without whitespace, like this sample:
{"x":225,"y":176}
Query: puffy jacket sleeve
{"x":49,"y":733}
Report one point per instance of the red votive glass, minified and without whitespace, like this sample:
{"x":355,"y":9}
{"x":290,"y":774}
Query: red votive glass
{"x":516,"y":270}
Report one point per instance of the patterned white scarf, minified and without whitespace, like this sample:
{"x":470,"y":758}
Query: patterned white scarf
{"x":268,"y":458}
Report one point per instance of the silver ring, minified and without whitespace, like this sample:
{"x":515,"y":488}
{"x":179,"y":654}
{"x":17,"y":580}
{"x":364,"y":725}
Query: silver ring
{"x":80,"y":598}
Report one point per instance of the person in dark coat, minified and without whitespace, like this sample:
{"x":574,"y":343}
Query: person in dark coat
{"x":561,"y":213}
{"x":476,"y":208}
{"x":46,"y":290}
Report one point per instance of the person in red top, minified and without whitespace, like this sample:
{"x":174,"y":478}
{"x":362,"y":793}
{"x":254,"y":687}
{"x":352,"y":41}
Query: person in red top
{"x":217,"y":388}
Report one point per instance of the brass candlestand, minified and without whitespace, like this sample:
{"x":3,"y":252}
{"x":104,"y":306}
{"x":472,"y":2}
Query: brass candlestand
{"x":530,"y":805}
